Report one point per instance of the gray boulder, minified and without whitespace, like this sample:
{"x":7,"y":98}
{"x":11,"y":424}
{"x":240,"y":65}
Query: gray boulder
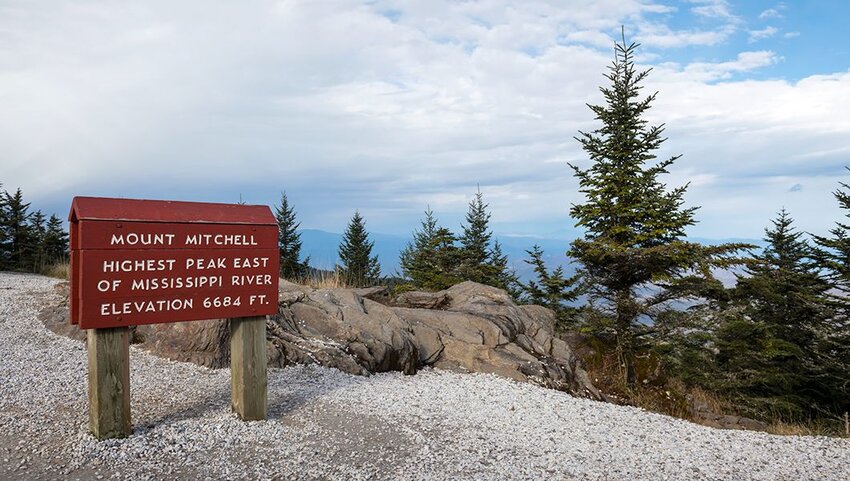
{"x":469,"y":327}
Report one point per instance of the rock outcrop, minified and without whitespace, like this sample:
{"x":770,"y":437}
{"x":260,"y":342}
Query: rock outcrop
{"x":469,"y":327}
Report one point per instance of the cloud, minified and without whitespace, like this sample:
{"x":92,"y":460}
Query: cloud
{"x":712,"y":71}
{"x":767,"y":32}
{"x":714,"y":9}
{"x":591,"y":37}
{"x":791,"y":34}
{"x":345,"y":106}
{"x":771,"y":13}
{"x":662,"y":36}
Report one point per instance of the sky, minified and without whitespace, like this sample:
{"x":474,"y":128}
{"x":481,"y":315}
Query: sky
{"x":389,"y":107}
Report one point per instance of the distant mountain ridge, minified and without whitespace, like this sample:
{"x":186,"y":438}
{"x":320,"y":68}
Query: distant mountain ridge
{"x":322,"y":247}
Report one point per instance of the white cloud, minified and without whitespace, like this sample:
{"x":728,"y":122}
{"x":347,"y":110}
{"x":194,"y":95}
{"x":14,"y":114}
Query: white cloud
{"x":660,"y":35}
{"x":791,"y":34}
{"x":345,"y":107}
{"x":767,"y":32}
{"x":591,"y":37}
{"x":770,"y":13}
{"x":714,"y":9}
{"x":712,"y":71}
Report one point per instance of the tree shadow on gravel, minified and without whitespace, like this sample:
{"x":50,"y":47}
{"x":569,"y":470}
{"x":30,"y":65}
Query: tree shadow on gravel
{"x":288,"y":400}
{"x":283,"y":400}
{"x":203,"y":406}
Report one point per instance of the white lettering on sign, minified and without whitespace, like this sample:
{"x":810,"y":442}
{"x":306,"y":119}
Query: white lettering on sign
{"x":258,"y":299}
{"x":220,"y":240}
{"x":135,"y":307}
{"x":132,"y":239}
{"x":217,"y":263}
{"x":139,"y":265}
{"x":155,"y":283}
{"x":255,"y":280}
{"x":106,"y":286}
{"x":250,"y":262}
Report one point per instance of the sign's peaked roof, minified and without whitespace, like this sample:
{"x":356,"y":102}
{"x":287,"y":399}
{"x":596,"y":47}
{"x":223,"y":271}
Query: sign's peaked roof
{"x":103,"y":208}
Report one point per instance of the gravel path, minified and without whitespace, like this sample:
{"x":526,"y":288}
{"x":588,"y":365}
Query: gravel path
{"x":324,"y":424}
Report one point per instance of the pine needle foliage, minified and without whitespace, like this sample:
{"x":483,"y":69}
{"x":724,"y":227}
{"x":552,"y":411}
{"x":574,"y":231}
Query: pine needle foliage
{"x":289,"y":241}
{"x":551,"y":289}
{"x":833,"y":256}
{"x":833,"y":251}
{"x":767,"y":356}
{"x":5,"y":258}
{"x":55,"y":240}
{"x":437,"y":259}
{"x":634,"y":258}
{"x":430,"y":261}
{"x":358,"y":267}
{"x":19,"y":242}
{"x":482,"y":259}
{"x":35,"y":250}
{"x":475,"y":239}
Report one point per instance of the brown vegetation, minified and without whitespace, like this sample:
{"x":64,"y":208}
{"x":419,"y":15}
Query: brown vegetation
{"x":59,"y":270}
{"x":670,"y":396}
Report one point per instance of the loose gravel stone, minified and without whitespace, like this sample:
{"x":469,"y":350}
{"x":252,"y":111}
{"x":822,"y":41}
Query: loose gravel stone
{"x":324,"y":424}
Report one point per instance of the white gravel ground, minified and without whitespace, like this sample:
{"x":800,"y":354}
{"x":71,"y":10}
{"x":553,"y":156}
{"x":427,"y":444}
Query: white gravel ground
{"x":324,"y":424}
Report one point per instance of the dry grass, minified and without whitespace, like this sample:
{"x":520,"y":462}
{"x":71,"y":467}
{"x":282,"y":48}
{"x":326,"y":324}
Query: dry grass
{"x":790,"y":429}
{"x":672,"y":397}
{"x":653,"y":394}
{"x":60,"y":270}
{"x":324,"y":280}
{"x":819,"y":427}
{"x":714,"y":402}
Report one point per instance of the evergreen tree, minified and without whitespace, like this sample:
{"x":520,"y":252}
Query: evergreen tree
{"x":833,"y":257}
{"x":475,"y":239}
{"x":431,"y":260}
{"x":55,"y":240}
{"x":412,"y":257}
{"x":499,"y":274}
{"x":634,"y":227}
{"x":359,"y":268}
{"x":36,"y":256}
{"x":768,"y":356}
{"x":833,"y":252}
{"x":18,"y":241}
{"x":289,"y":241}
{"x":479,"y":262}
{"x":5,"y":256}
{"x":551,"y":289}
{"x":435,"y":261}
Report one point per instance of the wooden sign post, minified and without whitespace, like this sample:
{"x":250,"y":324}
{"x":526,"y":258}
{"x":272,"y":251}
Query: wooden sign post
{"x":143,"y":262}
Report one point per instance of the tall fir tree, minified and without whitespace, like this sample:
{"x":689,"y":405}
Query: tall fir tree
{"x":475,"y":239}
{"x":431,"y":259}
{"x":480,"y":260}
{"x":551,"y":289}
{"x":768,"y":356}
{"x":289,"y":241}
{"x":500,"y":274}
{"x":5,"y":256}
{"x":55,"y":240}
{"x":413,"y":256}
{"x":17,"y":231}
{"x":36,"y":255}
{"x":359,"y":268}
{"x":833,"y":256}
{"x":634,"y":227}
{"x":833,"y":251}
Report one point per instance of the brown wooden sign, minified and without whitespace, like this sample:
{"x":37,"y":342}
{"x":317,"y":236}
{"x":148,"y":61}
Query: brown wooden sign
{"x":145,"y":261}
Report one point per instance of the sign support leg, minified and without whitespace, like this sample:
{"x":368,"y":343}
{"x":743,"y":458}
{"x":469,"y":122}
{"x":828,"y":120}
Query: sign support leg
{"x":249,"y":384}
{"x":109,"y":382}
